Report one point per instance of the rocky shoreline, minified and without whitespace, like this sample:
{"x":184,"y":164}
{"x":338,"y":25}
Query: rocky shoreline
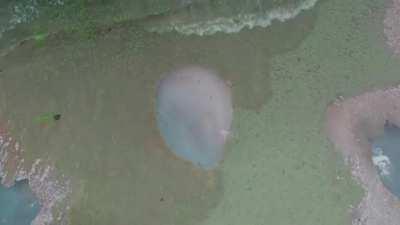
{"x":350,"y":124}
{"x":51,"y":191}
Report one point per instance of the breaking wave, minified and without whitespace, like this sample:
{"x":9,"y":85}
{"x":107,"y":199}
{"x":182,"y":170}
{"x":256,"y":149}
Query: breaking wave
{"x":186,"y":23}
{"x":201,"y":17}
{"x":20,"y":12}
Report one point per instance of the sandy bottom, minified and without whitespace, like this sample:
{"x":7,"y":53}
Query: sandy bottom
{"x":107,"y":144}
{"x":278,"y":168}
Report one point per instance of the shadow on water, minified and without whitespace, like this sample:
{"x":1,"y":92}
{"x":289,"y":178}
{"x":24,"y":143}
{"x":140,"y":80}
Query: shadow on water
{"x":107,"y":140}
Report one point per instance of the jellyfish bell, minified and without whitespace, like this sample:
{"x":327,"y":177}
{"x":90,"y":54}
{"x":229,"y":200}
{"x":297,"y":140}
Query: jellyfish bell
{"x":194,"y":115}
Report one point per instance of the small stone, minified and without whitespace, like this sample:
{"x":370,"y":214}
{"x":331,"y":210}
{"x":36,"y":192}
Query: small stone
{"x":57,"y":116}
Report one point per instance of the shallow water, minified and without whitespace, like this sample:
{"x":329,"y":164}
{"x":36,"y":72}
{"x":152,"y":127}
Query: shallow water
{"x":386,"y":157}
{"x":277,"y":169}
{"x":105,"y":90}
{"x":18,"y":205}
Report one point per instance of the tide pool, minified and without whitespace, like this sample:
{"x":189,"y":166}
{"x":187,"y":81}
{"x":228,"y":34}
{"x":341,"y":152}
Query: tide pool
{"x":18,"y":205}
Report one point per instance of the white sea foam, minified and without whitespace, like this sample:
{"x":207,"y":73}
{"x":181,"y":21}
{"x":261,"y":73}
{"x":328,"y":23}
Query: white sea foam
{"x":235,"y":23}
{"x":22,"y":12}
{"x":382,"y":162}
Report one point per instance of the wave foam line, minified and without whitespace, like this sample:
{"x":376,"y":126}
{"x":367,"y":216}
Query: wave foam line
{"x":235,"y":23}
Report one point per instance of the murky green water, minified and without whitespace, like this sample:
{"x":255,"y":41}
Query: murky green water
{"x":101,"y":76}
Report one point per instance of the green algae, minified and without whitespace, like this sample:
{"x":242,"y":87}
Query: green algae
{"x":46,"y":119}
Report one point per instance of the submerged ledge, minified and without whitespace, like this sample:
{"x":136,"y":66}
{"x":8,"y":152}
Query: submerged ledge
{"x":50,"y":191}
{"x":350,"y":124}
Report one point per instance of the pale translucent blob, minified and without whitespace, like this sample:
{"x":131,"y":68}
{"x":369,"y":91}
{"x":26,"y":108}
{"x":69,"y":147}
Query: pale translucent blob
{"x":194,"y":115}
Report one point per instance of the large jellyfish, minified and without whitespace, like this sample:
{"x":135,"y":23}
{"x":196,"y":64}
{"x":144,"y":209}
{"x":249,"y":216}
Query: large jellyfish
{"x":194,"y":115}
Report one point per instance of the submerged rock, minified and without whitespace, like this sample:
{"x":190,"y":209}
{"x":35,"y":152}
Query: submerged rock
{"x":351,"y":125}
